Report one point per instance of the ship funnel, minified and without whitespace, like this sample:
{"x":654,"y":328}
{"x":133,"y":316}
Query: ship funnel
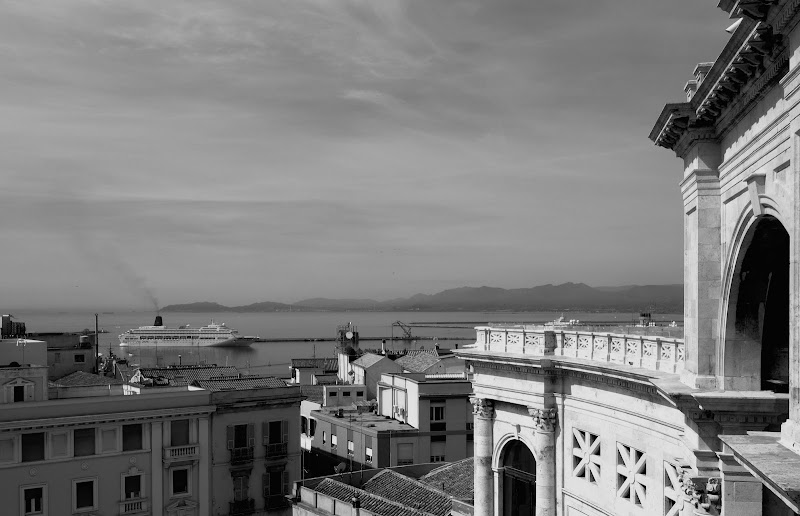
{"x":158,"y":322}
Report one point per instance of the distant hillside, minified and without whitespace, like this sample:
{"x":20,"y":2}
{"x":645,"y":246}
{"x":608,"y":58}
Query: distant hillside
{"x":567,"y":296}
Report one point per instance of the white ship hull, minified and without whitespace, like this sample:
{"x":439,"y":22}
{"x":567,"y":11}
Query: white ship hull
{"x":213,"y":335}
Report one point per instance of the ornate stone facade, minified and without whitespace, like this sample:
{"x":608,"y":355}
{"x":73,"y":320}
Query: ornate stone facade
{"x":544,"y":420}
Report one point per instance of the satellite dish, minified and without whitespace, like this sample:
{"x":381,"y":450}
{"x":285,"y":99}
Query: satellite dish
{"x":349,"y":334}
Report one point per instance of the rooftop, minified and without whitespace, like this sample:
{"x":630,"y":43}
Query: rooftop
{"x":369,"y":502}
{"x":368,"y":360}
{"x":189,"y":373}
{"x":83,"y":379}
{"x":314,"y":393}
{"x":367,"y":420}
{"x":456,"y":479}
{"x":418,"y":362}
{"x":400,"y":488}
{"x":326,"y":364}
{"x":239,"y":384}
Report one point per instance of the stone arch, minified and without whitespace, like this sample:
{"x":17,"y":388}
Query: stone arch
{"x":501,"y":443}
{"x":754,"y":322}
{"x":516,"y":479}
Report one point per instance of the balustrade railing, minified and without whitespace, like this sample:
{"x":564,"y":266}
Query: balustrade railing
{"x":242,"y":507}
{"x":182,"y":452}
{"x":275,"y":450}
{"x":648,"y":352}
{"x":242,"y":455}
{"x":132,"y":507}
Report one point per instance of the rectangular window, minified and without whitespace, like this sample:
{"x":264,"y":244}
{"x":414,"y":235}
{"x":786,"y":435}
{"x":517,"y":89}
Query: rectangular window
{"x":83,"y":442}
{"x":179,"y":432}
{"x":240,"y":488}
{"x":276,"y":432}
{"x":405,"y":453}
{"x":180,"y":481}
{"x":133,"y":487}
{"x":437,"y":412}
{"x":33,"y":500}
{"x":438,"y":451}
{"x":79,"y":359}
{"x":84,"y":495}
{"x":240,"y":436}
{"x":332,"y":394}
{"x":334,"y":441}
{"x":350,"y":448}
{"x":132,"y":437}
{"x":360,"y":394}
{"x":368,"y":455}
{"x":32,"y":447}
{"x":19,"y":393}
{"x":346,"y":394}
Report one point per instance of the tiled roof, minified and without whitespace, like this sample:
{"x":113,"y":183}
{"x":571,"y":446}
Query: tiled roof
{"x":315,"y":393}
{"x":368,"y":360}
{"x":394,"y":486}
{"x":189,"y":373}
{"x":369,"y":502}
{"x":417,"y":363}
{"x":83,"y":379}
{"x":239,"y":384}
{"x":455,"y":479}
{"x":326,"y":364}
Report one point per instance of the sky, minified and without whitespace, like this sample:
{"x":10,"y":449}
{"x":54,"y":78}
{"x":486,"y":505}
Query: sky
{"x":239,"y":151}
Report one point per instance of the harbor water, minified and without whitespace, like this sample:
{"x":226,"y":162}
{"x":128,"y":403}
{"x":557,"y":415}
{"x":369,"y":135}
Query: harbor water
{"x":302,"y":331}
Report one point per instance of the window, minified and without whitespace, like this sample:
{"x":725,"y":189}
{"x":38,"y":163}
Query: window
{"x":132,"y":437}
{"x":437,"y":412}
{"x":405,"y":454}
{"x":278,"y":432}
{"x":58,"y":358}
{"x":132,"y":486}
{"x":19,"y":393}
{"x":470,"y":427}
{"x":84,"y":495}
{"x":438,"y":450}
{"x":32,"y":447}
{"x":83,"y":442}
{"x":334,"y":441}
{"x":33,"y":499}
{"x":346,"y":394}
{"x":350,"y":448}
{"x":276,"y":485}
{"x":313,"y":426}
{"x":324,"y":437}
{"x":360,"y":394}
{"x":585,"y":455}
{"x":180,"y":481}
{"x":240,"y":488}
{"x":368,"y":455}
{"x":179,"y":432}
{"x":79,"y":359}
{"x":631,"y":474}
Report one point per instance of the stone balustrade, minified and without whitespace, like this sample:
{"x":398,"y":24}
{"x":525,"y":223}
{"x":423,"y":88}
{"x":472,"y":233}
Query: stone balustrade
{"x":133,"y":507}
{"x":647,"y":352}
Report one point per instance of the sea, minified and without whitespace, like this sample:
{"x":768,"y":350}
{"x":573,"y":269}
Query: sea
{"x":428,"y":329}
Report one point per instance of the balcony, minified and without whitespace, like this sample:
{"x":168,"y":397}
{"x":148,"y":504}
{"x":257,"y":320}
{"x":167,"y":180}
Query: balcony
{"x":242,"y":507}
{"x":242,"y":455}
{"x":133,"y":507}
{"x":278,"y":501}
{"x":276,"y":450}
{"x":647,"y":352}
{"x":181,"y":453}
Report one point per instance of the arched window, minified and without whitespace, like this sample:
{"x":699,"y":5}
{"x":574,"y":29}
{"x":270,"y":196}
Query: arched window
{"x":519,"y":480}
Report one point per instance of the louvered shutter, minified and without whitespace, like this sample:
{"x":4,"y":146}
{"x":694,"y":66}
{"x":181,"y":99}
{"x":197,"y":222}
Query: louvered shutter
{"x":286,"y":483}
{"x":230,"y":437}
{"x":265,"y":484}
{"x":265,"y":432}
{"x":285,"y":430}
{"x":251,"y":440}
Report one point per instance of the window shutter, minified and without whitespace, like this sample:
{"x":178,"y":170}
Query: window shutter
{"x":286,"y":483}
{"x":349,"y":434}
{"x":265,"y":432}
{"x":251,"y":440}
{"x":265,"y":484}
{"x":285,"y":430}
{"x":303,"y":425}
{"x":313,"y":427}
{"x":368,"y":440}
{"x":230,"y":437}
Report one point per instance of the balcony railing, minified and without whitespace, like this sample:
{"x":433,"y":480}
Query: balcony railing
{"x":276,"y":450}
{"x":242,"y":455}
{"x":648,"y":352}
{"x":278,"y":501}
{"x":242,"y":507}
{"x":132,"y":506}
{"x":185,"y":452}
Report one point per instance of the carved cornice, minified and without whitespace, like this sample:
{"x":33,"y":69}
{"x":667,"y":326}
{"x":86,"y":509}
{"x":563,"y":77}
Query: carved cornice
{"x":482,"y":407}
{"x":544,"y":420}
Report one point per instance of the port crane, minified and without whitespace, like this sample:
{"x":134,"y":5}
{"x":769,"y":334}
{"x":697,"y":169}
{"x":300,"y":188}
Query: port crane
{"x":406,"y":329}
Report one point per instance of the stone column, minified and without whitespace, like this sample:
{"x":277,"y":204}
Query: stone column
{"x":702,"y":251}
{"x":544,"y":442}
{"x":204,"y":470}
{"x":484,"y":443}
{"x":156,"y":468}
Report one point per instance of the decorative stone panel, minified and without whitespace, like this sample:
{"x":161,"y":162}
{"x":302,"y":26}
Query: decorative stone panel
{"x":631,"y":474}
{"x":673,"y":497}
{"x":585,"y":455}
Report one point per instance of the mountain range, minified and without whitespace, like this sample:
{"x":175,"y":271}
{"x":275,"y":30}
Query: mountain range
{"x":567,"y":296}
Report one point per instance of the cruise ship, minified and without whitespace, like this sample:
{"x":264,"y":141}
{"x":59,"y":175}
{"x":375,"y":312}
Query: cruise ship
{"x":212,"y":335}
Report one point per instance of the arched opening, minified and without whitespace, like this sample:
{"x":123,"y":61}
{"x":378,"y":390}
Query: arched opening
{"x":757,"y":333}
{"x":519,"y":480}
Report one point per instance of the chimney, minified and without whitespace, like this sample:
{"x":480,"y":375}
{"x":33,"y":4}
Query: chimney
{"x":158,"y":322}
{"x":383,"y":347}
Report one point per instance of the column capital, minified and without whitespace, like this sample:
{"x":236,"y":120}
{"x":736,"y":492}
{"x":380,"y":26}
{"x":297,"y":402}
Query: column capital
{"x":545,"y":420}
{"x":482,"y":407}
